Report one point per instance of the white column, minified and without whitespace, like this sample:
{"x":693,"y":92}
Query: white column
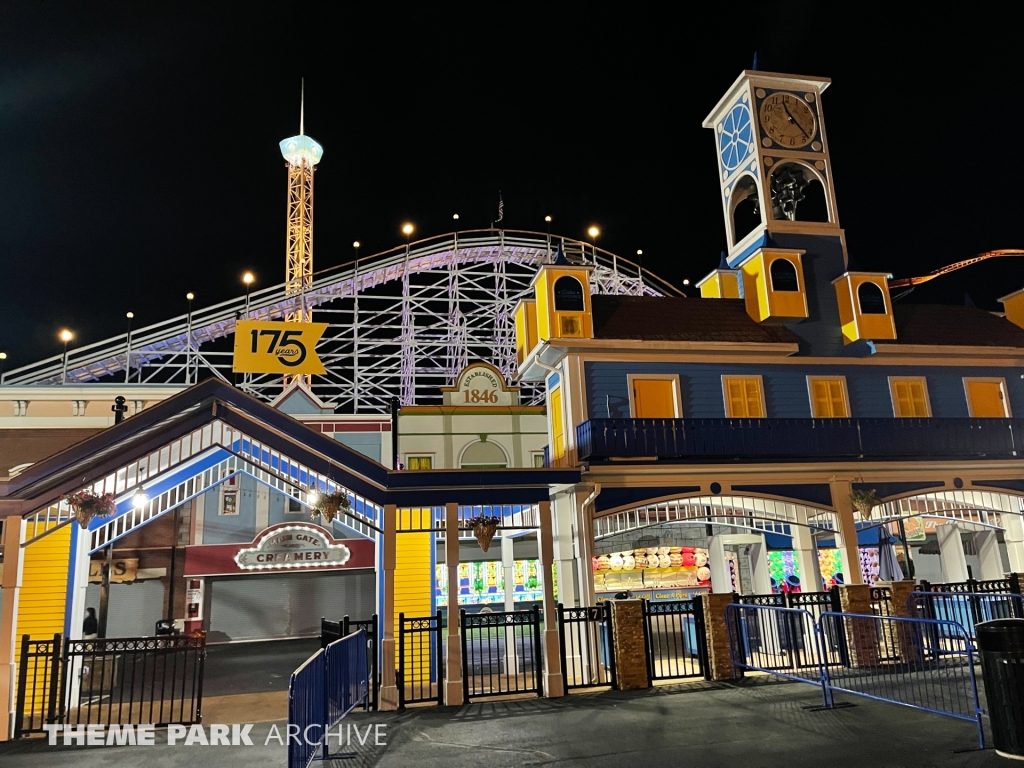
{"x":388,"y":698}
{"x":79,"y":577}
{"x":720,"y":581}
{"x":565,"y":551}
{"x":806,"y":552}
{"x":574,"y":504}
{"x":1013,"y":536}
{"x":508,"y":568}
{"x":554,"y":681}
{"x":760,"y":576}
{"x":263,"y":507}
{"x":454,"y":694}
{"x":951,"y":552}
{"x":987,"y":544}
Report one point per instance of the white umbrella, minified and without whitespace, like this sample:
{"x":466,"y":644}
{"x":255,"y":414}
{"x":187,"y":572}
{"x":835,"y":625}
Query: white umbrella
{"x":888,"y":565}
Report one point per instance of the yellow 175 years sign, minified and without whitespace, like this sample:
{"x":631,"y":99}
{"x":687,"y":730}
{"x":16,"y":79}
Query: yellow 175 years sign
{"x":277,"y":347}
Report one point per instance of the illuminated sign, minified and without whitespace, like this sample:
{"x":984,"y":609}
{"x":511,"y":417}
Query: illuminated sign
{"x":277,"y":347}
{"x":479,"y":384}
{"x":293,"y":546}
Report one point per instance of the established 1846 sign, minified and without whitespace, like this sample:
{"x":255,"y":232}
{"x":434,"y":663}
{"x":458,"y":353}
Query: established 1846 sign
{"x":480,"y":384}
{"x":275,"y":347}
{"x":292,"y":546}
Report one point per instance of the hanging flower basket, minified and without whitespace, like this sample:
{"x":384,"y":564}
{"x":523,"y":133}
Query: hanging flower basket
{"x":864,"y":502}
{"x":85,"y":505}
{"x":328,"y":504}
{"x":484,"y":528}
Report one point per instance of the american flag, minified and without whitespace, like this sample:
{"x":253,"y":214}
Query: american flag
{"x":501,"y":208}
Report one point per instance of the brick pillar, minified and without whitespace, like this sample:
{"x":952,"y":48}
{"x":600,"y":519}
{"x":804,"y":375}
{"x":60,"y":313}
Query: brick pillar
{"x":717,"y":633}
{"x":900,"y":596}
{"x":630,"y":644}
{"x":861,"y":637}
{"x":902,"y":634}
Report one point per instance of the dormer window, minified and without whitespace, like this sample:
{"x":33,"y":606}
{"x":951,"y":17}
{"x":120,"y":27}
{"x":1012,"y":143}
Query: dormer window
{"x":784,"y":276}
{"x":568,"y":294}
{"x":871,"y":299}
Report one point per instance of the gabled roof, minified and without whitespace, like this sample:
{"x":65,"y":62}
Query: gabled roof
{"x":656,"y":318}
{"x":27,"y":446}
{"x":213,"y":400}
{"x":951,"y":325}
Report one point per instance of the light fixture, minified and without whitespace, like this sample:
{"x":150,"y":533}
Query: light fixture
{"x":140,"y":499}
{"x":456,"y":217}
{"x":686,"y":282}
{"x":639,"y":252}
{"x":130,"y":315}
{"x":547,"y":219}
{"x":407,"y":229}
{"x":593,"y":231}
{"x":66,"y":335}
{"x":3,"y":355}
{"x":190,"y":295}
{"x":355,"y":244}
{"x":248,"y":278}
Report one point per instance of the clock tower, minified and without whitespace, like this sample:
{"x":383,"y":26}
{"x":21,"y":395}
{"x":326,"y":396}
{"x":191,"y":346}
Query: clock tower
{"x":774,"y":170}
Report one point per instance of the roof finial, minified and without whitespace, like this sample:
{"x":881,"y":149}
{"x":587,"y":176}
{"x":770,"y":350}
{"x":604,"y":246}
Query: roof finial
{"x":302,"y":110}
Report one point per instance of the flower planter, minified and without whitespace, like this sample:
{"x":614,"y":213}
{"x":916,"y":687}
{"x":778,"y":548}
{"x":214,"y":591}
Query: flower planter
{"x":86,"y":505}
{"x":484,"y":528}
{"x":328,"y":505}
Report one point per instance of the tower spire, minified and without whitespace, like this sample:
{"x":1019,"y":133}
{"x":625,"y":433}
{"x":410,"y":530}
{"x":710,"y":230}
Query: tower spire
{"x":302,"y":110}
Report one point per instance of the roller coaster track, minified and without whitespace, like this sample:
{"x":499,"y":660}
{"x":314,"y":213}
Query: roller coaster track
{"x":908,"y":282}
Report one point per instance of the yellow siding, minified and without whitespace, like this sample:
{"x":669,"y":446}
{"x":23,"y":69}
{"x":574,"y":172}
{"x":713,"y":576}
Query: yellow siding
{"x":557,"y":429}
{"x":860,"y":326}
{"x":761,"y":301}
{"x":414,"y":581}
{"x":526,"y":329}
{"x":1014,"y":307}
{"x":43,"y":594}
{"x":549,"y":322}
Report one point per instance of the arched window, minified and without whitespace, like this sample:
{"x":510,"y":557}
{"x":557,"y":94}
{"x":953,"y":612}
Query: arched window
{"x":797,"y":194}
{"x":872,"y":302}
{"x":784,"y":276}
{"x":746,"y":208}
{"x":483,"y":455}
{"x":568,"y":294}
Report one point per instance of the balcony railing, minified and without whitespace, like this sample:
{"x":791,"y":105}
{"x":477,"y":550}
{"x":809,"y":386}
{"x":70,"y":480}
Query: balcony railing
{"x":806,"y":439}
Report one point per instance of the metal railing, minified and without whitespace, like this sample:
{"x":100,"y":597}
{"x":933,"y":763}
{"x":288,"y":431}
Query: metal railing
{"x":37,"y":703}
{"x":598,"y":439}
{"x":585,"y":640}
{"x":501,"y":653}
{"x":134,"y":680}
{"x":1009,"y":585}
{"x":966,"y":608}
{"x":676,"y":639}
{"x":346,"y":681}
{"x":306,"y":709}
{"x":420,"y":674}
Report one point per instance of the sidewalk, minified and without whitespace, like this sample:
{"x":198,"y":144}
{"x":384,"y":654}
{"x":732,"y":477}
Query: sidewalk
{"x":762,"y":724}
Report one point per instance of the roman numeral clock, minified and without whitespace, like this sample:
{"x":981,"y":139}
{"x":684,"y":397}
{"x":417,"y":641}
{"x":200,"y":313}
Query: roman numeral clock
{"x":773,"y":160}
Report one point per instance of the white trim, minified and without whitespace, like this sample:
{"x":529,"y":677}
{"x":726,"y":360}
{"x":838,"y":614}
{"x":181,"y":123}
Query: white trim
{"x":744,"y":377}
{"x":467,"y":446}
{"x":771,"y":278}
{"x":846,"y":395}
{"x":677,"y":398}
{"x":927,"y":399}
{"x":1004,"y":396}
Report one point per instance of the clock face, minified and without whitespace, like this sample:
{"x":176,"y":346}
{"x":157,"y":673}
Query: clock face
{"x":788,"y":120}
{"x":735,"y":136}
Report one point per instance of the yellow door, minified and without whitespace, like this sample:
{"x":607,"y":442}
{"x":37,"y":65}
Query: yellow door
{"x":743,"y":399}
{"x":557,"y":429}
{"x":986,"y":399}
{"x":909,"y":398}
{"x":653,"y":399}
{"x":828,"y":400}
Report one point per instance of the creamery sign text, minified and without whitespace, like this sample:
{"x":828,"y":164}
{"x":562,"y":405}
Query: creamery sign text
{"x":292,"y":546}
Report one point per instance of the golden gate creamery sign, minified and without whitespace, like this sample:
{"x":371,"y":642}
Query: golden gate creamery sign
{"x":292,"y":546}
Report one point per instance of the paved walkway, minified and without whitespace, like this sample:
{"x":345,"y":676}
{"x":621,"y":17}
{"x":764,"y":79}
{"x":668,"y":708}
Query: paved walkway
{"x":759,"y":724}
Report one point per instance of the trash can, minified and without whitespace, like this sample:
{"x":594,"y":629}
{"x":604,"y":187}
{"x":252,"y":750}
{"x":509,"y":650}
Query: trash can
{"x":1001,"y":646}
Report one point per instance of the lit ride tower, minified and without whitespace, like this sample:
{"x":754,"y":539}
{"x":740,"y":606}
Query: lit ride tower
{"x":302,"y":154}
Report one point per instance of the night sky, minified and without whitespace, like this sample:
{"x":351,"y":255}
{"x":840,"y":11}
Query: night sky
{"x":139,"y":147}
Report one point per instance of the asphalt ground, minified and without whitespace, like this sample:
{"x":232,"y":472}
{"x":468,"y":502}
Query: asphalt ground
{"x":235,"y":668}
{"x":754,"y":724}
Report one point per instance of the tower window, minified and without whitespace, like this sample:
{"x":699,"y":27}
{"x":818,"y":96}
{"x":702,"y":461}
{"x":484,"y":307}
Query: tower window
{"x":872,"y":302}
{"x":746,"y":208}
{"x":784,"y":277}
{"x":568,"y":294}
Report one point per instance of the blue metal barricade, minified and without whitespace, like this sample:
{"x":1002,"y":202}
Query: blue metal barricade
{"x":329,"y":685}
{"x":306,"y":709}
{"x":925,"y":664}
{"x":966,"y":608}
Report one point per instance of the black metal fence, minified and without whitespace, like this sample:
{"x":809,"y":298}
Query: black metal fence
{"x":585,"y":639}
{"x":135,"y":680}
{"x":1009,"y":585}
{"x":967,"y":608}
{"x":420,"y":674}
{"x":38,"y":700}
{"x":676,"y":639}
{"x":501,"y":653}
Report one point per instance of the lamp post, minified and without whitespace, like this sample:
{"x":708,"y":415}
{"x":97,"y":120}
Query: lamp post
{"x":128,"y":350}
{"x":640,"y":269}
{"x":593,"y":232}
{"x":355,"y":247}
{"x":65,"y":336}
{"x":188,"y":331}
{"x":407,"y":230}
{"x":547,"y":223}
{"x":248,"y":278}
{"x":3,"y":362}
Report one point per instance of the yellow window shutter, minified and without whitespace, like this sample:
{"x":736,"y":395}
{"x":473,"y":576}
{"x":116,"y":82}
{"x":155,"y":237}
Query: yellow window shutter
{"x":920,"y":404}
{"x":557,"y":430}
{"x":986,"y":399}
{"x":735,"y":398}
{"x":753,"y":393}
{"x":653,"y":399}
{"x":821,"y":401}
